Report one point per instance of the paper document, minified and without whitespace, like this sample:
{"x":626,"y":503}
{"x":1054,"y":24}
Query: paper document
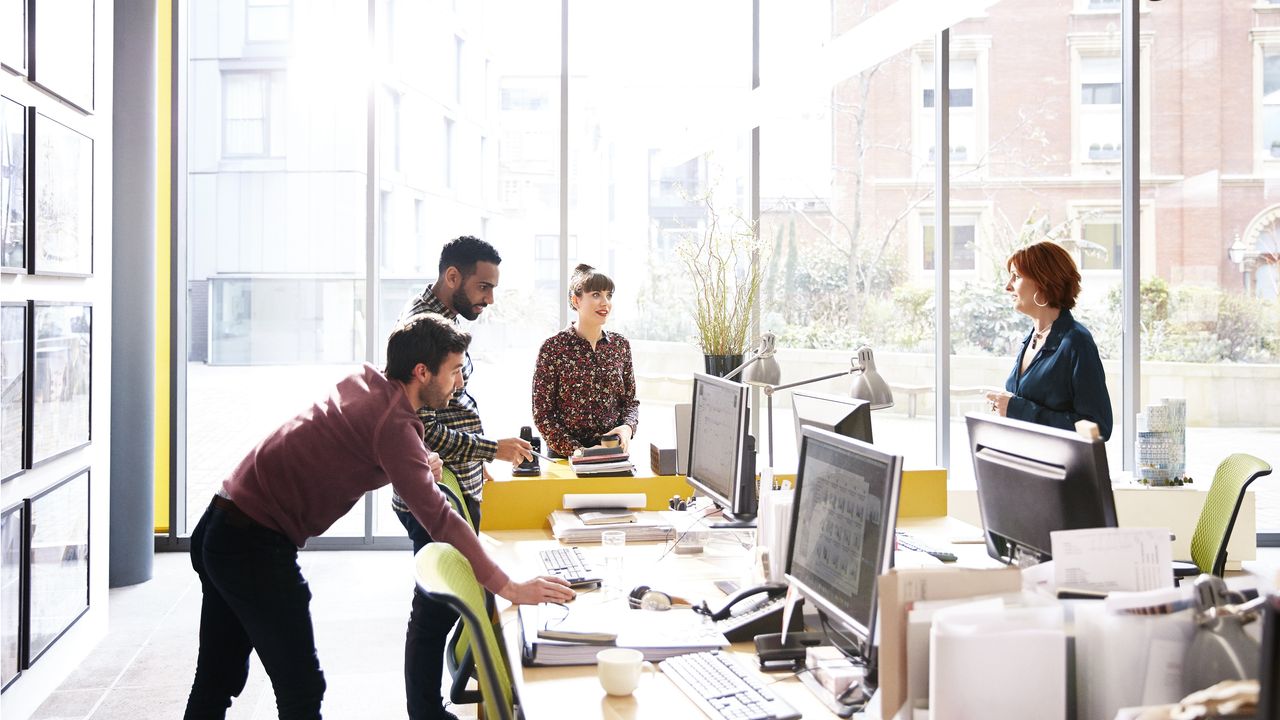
{"x":658,"y":635}
{"x":567,"y":527}
{"x":576,"y":501}
{"x":1108,"y":559}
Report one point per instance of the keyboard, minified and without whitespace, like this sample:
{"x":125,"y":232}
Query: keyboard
{"x":568,"y":563}
{"x":722,"y":687}
{"x":906,"y":542}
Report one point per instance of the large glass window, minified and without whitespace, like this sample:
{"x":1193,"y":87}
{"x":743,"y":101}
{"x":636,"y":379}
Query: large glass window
{"x":275,"y":224}
{"x":649,"y":142}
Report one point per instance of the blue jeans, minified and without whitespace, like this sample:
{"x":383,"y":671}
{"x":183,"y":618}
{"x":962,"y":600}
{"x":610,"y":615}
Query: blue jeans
{"x":427,"y":634}
{"x":255,"y":598}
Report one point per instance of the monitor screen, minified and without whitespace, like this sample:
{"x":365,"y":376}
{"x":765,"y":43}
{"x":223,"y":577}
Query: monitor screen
{"x":847,"y":494}
{"x":719,"y":466}
{"x":841,"y":415}
{"x":1034,"y":479}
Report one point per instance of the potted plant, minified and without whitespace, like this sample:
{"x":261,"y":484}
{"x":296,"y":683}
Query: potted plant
{"x":726,"y":283}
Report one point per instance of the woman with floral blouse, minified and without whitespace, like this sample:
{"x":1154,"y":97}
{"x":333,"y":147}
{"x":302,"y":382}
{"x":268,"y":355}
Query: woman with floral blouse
{"x":584,"y":386}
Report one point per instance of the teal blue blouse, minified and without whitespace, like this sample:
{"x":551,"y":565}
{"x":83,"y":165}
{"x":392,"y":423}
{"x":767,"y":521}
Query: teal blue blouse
{"x":1064,"y":383}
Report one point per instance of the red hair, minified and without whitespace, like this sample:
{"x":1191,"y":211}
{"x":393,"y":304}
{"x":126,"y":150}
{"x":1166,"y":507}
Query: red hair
{"x":1052,"y":268}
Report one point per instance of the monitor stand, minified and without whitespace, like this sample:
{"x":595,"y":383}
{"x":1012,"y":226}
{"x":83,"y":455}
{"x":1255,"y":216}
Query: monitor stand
{"x":837,"y":706}
{"x":735,"y":522}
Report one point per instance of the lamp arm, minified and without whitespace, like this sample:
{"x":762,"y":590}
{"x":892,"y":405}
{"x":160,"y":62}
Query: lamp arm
{"x":771,"y":389}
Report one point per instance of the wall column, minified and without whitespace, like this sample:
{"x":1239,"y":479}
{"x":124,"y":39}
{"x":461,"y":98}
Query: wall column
{"x":133,"y":295}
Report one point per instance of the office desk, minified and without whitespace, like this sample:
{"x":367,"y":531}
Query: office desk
{"x":573,"y":691}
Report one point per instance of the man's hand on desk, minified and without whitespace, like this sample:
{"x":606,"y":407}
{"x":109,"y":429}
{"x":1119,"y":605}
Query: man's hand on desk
{"x":514,"y":450}
{"x":538,"y":590}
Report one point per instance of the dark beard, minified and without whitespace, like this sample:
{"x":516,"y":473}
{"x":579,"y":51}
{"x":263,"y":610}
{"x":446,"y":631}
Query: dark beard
{"x":462,"y":304}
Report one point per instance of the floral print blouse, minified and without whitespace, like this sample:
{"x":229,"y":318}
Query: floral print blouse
{"x":580,"y":394}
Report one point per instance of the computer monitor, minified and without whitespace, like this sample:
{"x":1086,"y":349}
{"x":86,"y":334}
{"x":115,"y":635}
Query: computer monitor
{"x":722,"y":455}
{"x":842,"y":531}
{"x":1034,"y":479}
{"x":839,"y":414}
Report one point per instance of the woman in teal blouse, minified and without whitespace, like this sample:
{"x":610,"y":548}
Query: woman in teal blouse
{"x":1058,"y":377}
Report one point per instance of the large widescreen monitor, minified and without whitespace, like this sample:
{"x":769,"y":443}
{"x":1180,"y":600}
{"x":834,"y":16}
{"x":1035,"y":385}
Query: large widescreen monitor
{"x":842,"y":534}
{"x":1034,"y":479}
{"x":721,"y":452}
{"x":839,"y":414}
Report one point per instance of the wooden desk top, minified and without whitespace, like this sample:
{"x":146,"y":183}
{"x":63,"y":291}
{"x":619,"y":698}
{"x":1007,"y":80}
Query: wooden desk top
{"x":574,"y":692}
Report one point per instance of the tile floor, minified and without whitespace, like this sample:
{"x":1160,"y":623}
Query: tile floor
{"x":145,"y":665}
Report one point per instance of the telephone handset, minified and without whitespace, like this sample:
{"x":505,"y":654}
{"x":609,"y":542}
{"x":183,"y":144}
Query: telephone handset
{"x":774,"y":591}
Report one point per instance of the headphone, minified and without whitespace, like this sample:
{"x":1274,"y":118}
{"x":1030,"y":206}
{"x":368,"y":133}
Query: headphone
{"x":642,"y":597}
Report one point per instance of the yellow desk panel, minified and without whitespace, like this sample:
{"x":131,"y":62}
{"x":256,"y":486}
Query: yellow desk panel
{"x":520,"y":503}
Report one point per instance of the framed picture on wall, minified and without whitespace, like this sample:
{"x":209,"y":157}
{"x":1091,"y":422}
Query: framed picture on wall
{"x":13,"y":185}
{"x":62,"y":199}
{"x":13,"y":388}
{"x":58,"y":553}
{"x":13,"y":35}
{"x":60,"y":363}
{"x":12,"y":587}
{"x":61,"y":58}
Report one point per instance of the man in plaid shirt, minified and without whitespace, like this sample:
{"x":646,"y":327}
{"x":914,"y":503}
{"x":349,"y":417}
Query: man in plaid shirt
{"x":464,"y":287}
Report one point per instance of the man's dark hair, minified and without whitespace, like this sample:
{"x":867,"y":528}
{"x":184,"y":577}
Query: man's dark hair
{"x":464,"y":252}
{"x":425,"y":338}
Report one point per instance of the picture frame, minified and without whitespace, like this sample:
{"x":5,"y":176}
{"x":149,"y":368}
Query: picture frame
{"x":60,"y":57}
{"x":13,"y":586}
{"x":13,"y":36}
{"x":59,"y":391}
{"x":57,"y":553}
{"x":13,"y":185}
{"x":14,"y":344}
{"x":60,"y":206}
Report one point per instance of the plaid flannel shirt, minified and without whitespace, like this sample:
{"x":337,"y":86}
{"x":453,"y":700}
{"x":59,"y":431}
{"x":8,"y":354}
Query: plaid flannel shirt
{"x":455,"y":432}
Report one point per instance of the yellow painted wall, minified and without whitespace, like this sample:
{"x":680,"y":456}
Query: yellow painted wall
{"x":164,"y":182}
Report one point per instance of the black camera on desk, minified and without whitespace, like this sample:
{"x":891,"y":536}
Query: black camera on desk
{"x":530,"y":467}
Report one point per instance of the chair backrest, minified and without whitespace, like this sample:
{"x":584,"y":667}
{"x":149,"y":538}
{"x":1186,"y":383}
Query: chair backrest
{"x":449,"y":485}
{"x":458,"y":656}
{"x":445,"y":576}
{"x":1218,"y":516}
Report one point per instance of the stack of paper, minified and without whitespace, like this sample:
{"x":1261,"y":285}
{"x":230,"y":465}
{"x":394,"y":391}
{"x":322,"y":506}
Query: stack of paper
{"x":567,"y":527}
{"x":659,"y":635}
{"x":605,"y":516}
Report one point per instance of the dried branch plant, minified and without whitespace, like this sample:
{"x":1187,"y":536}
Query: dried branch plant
{"x":725,"y":268}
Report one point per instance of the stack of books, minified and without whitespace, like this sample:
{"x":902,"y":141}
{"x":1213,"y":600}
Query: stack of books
{"x":601,"y":461}
{"x":552,"y":637}
{"x":568,"y":527}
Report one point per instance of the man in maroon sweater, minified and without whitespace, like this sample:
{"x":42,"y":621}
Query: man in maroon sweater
{"x":298,"y":482}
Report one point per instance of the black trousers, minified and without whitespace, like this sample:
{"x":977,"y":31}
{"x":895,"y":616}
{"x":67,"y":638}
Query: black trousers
{"x":255,"y":598}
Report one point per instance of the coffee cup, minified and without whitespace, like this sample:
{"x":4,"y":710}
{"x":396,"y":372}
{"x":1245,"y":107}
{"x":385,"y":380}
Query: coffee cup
{"x":619,"y":669}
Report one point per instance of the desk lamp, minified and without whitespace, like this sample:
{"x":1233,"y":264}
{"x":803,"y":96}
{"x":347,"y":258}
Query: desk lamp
{"x":867,"y":384}
{"x":767,"y":371}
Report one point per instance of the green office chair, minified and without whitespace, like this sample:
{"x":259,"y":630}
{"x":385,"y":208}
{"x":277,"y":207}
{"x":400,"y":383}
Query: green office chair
{"x":446,"y":577}
{"x":458,"y":656}
{"x":1218,"y":516}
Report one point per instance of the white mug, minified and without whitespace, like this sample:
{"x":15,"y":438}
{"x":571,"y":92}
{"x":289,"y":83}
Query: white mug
{"x":619,"y":669}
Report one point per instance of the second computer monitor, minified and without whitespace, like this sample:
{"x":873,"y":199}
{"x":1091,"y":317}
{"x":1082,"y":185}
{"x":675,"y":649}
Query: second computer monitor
{"x":842,"y":530}
{"x":839,"y":414}
{"x":721,"y":452}
{"x":1033,"y":480}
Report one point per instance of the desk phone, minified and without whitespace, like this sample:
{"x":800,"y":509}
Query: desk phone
{"x":753,"y":611}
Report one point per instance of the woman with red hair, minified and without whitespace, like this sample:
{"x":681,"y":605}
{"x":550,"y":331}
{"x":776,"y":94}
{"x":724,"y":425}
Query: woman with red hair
{"x":1058,"y":377}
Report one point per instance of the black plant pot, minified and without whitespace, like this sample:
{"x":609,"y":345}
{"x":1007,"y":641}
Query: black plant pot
{"x":721,"y":365}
